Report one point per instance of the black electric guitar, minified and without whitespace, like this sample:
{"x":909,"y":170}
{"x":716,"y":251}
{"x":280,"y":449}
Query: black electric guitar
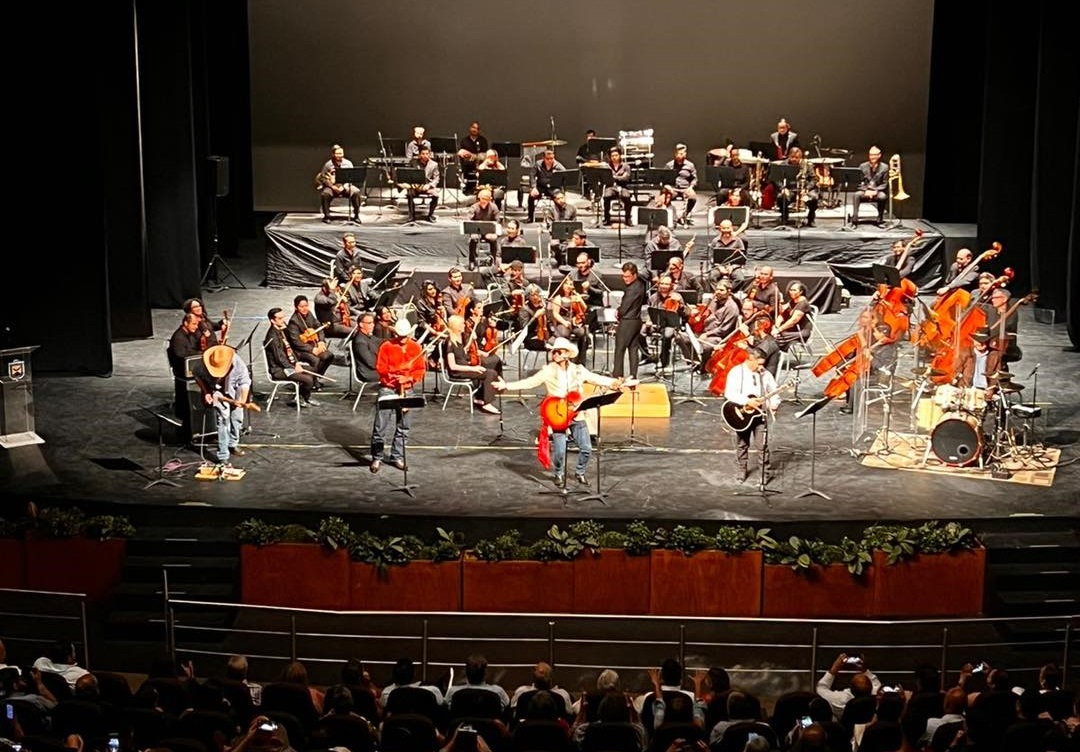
{"x":741,"y":417}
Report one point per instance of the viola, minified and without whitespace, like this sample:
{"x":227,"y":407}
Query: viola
{"x":517,"y":301}
{"x":541,"y":326}
{"x":578,"y":310}
{"x":491,"y":337}
{"x":309,"y":335}
{"x":462,"y":305}
{"x":698,"y":317}
{"x":343,"y":311}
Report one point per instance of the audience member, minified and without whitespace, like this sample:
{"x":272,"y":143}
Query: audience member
{"x":863,"y":683}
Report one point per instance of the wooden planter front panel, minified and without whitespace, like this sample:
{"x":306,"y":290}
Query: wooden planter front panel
{"x":931,"y":585}
{"x":517,"y":586}
{"x":295,"y":575}
{"x":417,"y":586}
{"x":612,"y":583}
{"x":817,"y":592}
{"x":709,"y":583}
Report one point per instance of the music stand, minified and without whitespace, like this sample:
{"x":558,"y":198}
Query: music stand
{"x":395,"y":147}
{"x":562,"y":230}
{"x":443,"y":147}
{"x":161,"y":421}
{"x":738,"y":215}
{"x":762,"y":148}
{"x":846,"y":180}
{"x":658,"y":260}
{"x":524,"y":253}
{"x":247,"y":429}
{"x":885,"y":275}
{"x":696,"y":346}
{"x":592,"y":251}
{"x":661,"y":176}
{"x":384,"y":271}
{"x":720,"y":176}
{"x":492,"y":178}
{"x":560,"y":179}
{"x":594,"y":181}
{"x":783,"y":173}
{"x":652,"y":217}
{"x":599,"y":148}
{"x":599,"y":401}
{"x":812,"y":411}
{"x":410,"y":402}
{"x":470,"y":227}
{"x":355,"y":176}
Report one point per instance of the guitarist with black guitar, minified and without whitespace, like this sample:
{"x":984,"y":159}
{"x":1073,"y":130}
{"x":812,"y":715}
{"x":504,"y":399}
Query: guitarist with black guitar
{"x":226,"y":385}
{"x":749,"y":391}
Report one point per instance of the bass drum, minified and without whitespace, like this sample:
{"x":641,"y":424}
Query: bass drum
{"x":957,"y":439}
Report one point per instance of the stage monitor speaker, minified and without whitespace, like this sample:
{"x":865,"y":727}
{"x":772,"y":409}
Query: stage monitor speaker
{"x":219,"y":175}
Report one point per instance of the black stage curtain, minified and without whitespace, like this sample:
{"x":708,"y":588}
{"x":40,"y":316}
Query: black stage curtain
{"x":1003,"y":148}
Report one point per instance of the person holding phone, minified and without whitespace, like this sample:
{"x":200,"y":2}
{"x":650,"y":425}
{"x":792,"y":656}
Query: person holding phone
{"x":863,"y":684}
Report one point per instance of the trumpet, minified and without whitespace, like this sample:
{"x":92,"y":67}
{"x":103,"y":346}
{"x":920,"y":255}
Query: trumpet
{"x":896,"y":174}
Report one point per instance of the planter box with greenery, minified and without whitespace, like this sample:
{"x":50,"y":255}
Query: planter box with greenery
{"x":284,"y":565}
{"x":813,"y":579}
{"x":505,"y":575}
{"x":12,"y":554}
{"x":933,"y":569}
{"x":612,"y":572}
{"x":67,"y":551}
{"x":695,"y":574}
{"x":401,"y":573}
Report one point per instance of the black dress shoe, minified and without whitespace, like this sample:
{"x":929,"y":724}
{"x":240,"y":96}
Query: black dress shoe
{"x":560,"y":481}
{"x":581,"y":479}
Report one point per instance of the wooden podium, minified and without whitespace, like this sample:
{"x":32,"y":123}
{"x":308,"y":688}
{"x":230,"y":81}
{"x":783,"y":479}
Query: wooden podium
{"x":17,"y":398}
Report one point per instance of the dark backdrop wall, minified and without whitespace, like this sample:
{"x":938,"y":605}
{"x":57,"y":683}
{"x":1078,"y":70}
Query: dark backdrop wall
{"x":854,"y":72}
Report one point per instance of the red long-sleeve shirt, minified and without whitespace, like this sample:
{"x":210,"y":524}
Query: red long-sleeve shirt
{"x":400,"y":360}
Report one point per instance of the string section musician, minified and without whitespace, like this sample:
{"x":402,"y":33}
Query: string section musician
{"x":306,"y":338}
{"x":400,"y":365}
{"x":281,"y":359}
{"x":465,"y":361}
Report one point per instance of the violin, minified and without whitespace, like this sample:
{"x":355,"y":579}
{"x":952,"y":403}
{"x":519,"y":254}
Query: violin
{"x":673,"y":303}
{"x":541,"y":325}
{"x":309,"y":335}
{"x":462,"y":305}
{"x":344,"y":312}
{"x":225,"y":322}
{"x":698,"y":317}
{"x":578,"y":310}
{"x":491,"y":337}
{"x":517,"y":301}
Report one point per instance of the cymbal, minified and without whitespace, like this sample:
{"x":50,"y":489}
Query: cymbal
{"x":825,"y":160}
{"x":753,"y":160}
{"x":549,"y":142}
{"x":594,"y":163}
{"x":719,"y":152}
{"x":908,"y":384}
{"x":1000,"y":375}
{"x":927,"y":371}
{"x":1011,"y":387}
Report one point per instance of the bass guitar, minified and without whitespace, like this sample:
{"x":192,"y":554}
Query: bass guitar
{"x":237,"y":403}
{"x":742,"y":417}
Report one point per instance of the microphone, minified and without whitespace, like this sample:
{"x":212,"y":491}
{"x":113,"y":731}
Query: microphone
{"x":1034,"y":370}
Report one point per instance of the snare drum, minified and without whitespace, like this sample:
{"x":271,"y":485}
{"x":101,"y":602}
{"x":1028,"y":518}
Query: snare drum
{"x":948,"y":397}
{"x":957,"y":439}
{"x":973,"y":400}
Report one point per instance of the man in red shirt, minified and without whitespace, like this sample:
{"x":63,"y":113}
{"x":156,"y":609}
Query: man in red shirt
{"x":400,"y":364}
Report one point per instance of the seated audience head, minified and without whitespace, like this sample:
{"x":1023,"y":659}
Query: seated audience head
{"x":608,"y":681}
{"x":861,"y":685}
{"x":295,"y":673}
{"x":757,"y":744}
{"x":819,"y":710}
{"x":671,"y":672}
{"x":475,"y":669}
{"x":927,"y":678}
{"x":237,"y":667}
{"x":339,"y":700}
{"x":740,"y":706}
{"x":956,"y":701}
{"x":613,"y":709}
{"x":542,"y":675}
{"x":404,"y":672}
{"x":719,"y":680}
{"x":353,"y":674}
{"x":542,"y":707}
{"x":890,"y":706}
{"x":1049,"y":675}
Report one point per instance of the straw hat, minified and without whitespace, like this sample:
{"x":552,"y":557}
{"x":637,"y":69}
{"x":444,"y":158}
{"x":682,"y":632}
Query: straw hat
{"x":218,"y":360}
{"x":562,"y":343}
{"x":403,"y":328}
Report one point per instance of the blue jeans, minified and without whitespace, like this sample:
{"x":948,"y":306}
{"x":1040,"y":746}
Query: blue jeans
{"x":382,"y":427}
{"x":229,"y":423}
{"x":580,"y":431}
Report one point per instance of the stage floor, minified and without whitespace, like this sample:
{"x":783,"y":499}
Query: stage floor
{"x":101,"y":445}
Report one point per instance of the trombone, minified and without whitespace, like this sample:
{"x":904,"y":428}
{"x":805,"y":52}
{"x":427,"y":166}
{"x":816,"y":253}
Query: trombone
{"x":895,"y":173}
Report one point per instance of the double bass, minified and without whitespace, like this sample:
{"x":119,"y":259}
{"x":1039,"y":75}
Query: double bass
{"x":963,"y":335}
{"x":936,"y":330}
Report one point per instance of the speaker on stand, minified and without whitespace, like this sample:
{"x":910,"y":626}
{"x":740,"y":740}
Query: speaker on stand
{"x":218,"y":177}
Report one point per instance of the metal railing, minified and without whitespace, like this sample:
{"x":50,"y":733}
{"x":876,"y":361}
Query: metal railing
{"x":43,"y":616}
{"x":770,"y":650}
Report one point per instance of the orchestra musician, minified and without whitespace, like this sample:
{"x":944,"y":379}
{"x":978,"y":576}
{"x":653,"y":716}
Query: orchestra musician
{"x":361,"y":293}
{"x":731,"y":245}
{"x":456,"y":292}
{"x":685,"y":181}
{"x":365,"y":349}
{"x":327,"y":310}
{"x":561,"y":377}
{"x":471,"y":150}
{"x":804,"y":186}
{"x":560,"y":253}
{"x":491,"y":162}
{"x":400,"y":365}
{"x":542,"y":182}
{"x":429,"y":310}
{"x":664,"y":240}
{"x":999,"y":300}
{"x":783,"y":139}
{"x":760,"y":326}
{"x":385,"y":321}
{"x":720,"y":321}
{"x":484,"y":211}
{"x":314,"y":352}
{"x":619,"y":189}
{"x":429,"y":189}
{"x":562,"y":211}
{"x":416,"y":144}
{"x":585,"y":151}
{"x":873,"y":186}
{"x":977,"y":362}
{"x":895,"y":253}
{"x":628,"y":315}
{"x":876,"y":344}
{"x":741,"y":183}
{"x":183,"y":343}
{"x":959,"y":275}
{"x":534,"y":317}
{"x":796,"y":324}
{"x":346,"y":259}
{"x":226,"y":385}
{"x":765,"y":293}
{"x":500,"y":272}
{"x":464,"y":361}
{"x":666,"y":298}
{"x":210,"y":332}
{"x":747,"y":384}
{"x":569,"y":316}
{"x":329,"y":188}
{"x":281,"y":359}
{"x":588,"y":281}
{"x":680,"y":278}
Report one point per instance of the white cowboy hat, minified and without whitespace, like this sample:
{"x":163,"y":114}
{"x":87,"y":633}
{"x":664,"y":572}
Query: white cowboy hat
{"x":403,"y":328}
{"x":218,"y":360}
{"x":562,"y":343}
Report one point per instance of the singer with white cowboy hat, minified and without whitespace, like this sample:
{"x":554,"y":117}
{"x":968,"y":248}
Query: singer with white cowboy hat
{"x":225,"y":384}
{"x":400,"y":364}
{"x":563,"y":379}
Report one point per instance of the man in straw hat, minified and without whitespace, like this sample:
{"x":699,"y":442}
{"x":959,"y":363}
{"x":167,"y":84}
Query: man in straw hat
{"x":401,"y":364}
{"x":563,"y":379}
{"x":225,"y":384}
